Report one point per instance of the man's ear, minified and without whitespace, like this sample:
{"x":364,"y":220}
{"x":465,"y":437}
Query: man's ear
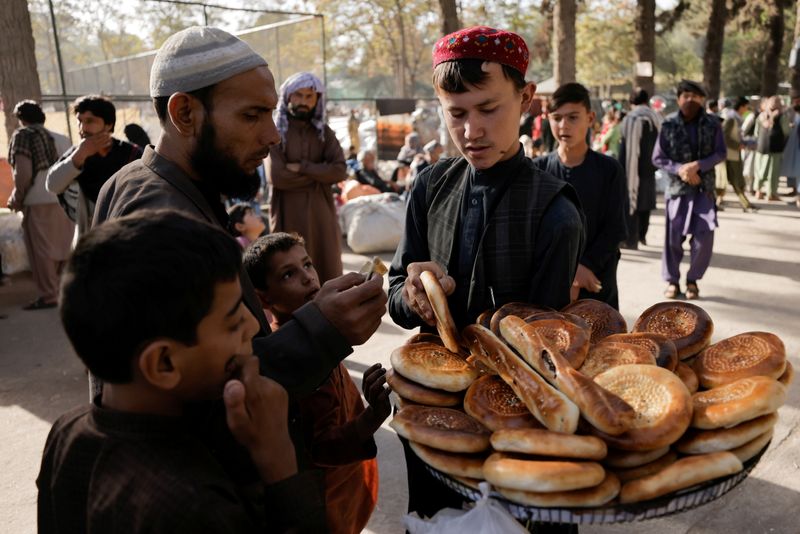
{"x":157,"y":366}
{"x":527,"y":96}
{"x":186,"y":113}
{"x":240,"y":227}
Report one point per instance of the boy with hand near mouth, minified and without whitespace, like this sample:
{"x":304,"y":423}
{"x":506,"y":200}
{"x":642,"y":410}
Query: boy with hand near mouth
{"x":600,"y":183}
{"x":167,"y":335}
{"x":337,"y":429}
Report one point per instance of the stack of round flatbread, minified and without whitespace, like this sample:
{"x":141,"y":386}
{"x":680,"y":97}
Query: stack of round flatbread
{"x":661,"y":408}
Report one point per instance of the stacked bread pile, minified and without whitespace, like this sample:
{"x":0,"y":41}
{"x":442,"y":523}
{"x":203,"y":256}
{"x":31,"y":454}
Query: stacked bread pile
{"x":568,"y":409}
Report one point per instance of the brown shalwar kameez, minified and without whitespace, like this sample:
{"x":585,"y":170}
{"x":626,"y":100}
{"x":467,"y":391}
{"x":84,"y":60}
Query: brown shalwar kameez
{"x":302,"y":201}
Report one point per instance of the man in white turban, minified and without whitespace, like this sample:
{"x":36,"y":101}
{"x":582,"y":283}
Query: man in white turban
{"x":302,"y":169}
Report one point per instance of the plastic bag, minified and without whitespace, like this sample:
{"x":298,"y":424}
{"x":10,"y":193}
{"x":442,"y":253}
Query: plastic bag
{"x":12,"y":244}
{"x":487,"y":517}
{"x":373,"y":223}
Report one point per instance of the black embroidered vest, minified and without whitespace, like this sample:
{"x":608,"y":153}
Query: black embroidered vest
{"x":505,"y":255}
{"x":675,"y":142}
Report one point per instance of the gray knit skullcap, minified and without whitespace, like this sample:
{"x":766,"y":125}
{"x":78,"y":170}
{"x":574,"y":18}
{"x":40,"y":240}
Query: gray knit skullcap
{"x":198,"y":57}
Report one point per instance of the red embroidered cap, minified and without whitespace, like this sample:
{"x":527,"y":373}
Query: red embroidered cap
{"x":482,"y":42}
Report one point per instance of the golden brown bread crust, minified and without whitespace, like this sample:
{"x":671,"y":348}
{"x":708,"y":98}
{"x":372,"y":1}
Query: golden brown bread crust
{"x":418,"y":393}
{"x":492,"y":402}
{"x":608,"y":354}
{"x":788,"y":375}
{"x":753,"y":447}
{"x":737,"y":402}
{"x":462,"y":465}
{"x":684,"y":473}
{"x":603,"y":409}
{"x":580,"y":322}
{"x":433,"y":366}
{"x":441,"y":428}
{"x":485,"y":318}
{"x":424,"y":337}
{"x":515,"y":472}
{"x":445,"y":324}
{"x":641,"y":471}
{"x":603,"y":319}
{"x":661,"y":346}
{"x":688,"y":377}
{"x":547,"y":443}
{"x":725,"y":439}
{"x":628,"y":459}
{"x":517,"y":309}
{"x":571,"y":340}
{"x":662,"y":404}
{"x":582,"y":498}
{"x":748,"y":354}
{"x":687,"y":325}
{"x":550,"y":407}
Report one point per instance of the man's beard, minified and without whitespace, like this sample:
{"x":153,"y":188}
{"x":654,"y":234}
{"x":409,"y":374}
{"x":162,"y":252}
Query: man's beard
{"x":300,"y":112}
{"x":215,"y":167}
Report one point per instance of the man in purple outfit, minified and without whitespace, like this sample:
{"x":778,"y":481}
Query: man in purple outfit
{"x":689,"y":145}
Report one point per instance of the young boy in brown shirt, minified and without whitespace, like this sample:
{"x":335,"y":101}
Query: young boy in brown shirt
{"x":338,"y":430}
{"x":153,"y":306}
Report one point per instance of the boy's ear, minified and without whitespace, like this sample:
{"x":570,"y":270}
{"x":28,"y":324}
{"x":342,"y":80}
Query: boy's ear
{"x":263,"y":296}
{"x":157,"y":366}
{"x":239,"y":227}
{"x":527,"y":96}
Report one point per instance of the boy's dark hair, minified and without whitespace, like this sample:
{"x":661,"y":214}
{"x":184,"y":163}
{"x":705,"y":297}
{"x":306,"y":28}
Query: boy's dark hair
{"x":136,"y":135}
{"x":99,"y":106}
{"x":236,"y":216}
{"x":204,"y":95}
{"x":454,"y":76}
{"x":29,"y":111}
{"x":260,"y":252}
{"x":740,"y":101}
{"x":639,"y":96}
{"x":570,"y":93}
{"x":139,"y":278}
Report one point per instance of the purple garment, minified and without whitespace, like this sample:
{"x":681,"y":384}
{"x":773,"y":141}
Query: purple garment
{"x":661,"y":160}
{"x":688,"y":214}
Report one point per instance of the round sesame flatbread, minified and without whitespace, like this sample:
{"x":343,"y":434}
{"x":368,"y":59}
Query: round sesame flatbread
{"x":582,"y":498}
{"x":741,"y":356}
{"x":688,"y":326}
{"x":441,"y":428}
{"x":603,"y":319}
{"x":737,"y":402}
{"x":543,"y":442}
{"x":515,"y":472}
{"x":433,"y":366}
{"x":492,"y":402}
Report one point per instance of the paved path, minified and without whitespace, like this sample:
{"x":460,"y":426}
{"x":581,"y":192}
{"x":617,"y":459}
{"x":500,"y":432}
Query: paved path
{"x":753,"y":284}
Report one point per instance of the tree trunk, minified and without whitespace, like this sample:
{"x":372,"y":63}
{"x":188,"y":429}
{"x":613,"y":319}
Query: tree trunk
{"x":796,"y":69}
{"x":646,"y":41}
{"x":450,"y":22}
{"x":715,"y":37}
{"x":19,"y":79}
{"x":564,"y":41}
{"x":775,"y":28}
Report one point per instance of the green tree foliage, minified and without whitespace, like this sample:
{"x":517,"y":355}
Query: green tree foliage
{"x":605,"y":43}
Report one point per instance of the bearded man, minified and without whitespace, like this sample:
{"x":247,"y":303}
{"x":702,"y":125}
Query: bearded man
{"x":214,"y":97}
{"x":301,"y":170}
{"x":689,"y":145}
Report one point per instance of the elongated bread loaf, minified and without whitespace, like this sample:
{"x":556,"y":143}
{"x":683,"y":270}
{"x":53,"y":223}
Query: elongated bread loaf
{"x":684,"y":473}
{"x":570,"y":340}
{"x":514,"y":472}
{"x":582,"y":498}
{"x":445,"y":324}
{"x":548,"y":443}
{"x":517,"y":309}
{"x":551,"y":407}
{"x":603,"y":409}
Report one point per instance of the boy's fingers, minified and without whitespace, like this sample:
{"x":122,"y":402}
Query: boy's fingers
{"x":235,"y":409}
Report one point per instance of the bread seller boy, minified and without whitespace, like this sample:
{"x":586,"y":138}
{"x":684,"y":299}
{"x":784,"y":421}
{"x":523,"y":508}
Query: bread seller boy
{"x":489,"y":225}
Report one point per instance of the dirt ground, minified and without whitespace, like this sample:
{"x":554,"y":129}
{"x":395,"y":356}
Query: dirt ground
{"x":753,"y":284}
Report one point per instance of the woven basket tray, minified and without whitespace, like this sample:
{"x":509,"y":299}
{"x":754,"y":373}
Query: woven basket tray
{"x":614,"y":513}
